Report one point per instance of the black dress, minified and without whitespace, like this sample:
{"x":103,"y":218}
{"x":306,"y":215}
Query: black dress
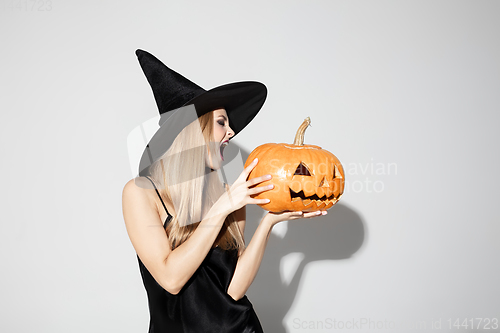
{"x":202,"y":305}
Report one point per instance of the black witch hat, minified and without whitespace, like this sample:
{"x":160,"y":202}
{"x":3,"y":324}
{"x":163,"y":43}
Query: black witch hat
{"x":181,"y":101}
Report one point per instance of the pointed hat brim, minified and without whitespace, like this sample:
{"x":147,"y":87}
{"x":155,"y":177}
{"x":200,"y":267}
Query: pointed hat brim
{"x":241,"y":100}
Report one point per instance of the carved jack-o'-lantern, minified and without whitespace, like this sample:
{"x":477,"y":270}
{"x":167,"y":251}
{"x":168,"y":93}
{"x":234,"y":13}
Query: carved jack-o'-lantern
{"x":305,"y":177}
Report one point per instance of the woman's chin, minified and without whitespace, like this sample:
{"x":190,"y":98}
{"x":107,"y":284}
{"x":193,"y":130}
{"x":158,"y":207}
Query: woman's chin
{"x":216,"y":165}
{"x":215,"y":150}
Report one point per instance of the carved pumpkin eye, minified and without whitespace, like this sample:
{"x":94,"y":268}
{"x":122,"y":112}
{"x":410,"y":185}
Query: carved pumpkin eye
{"x":336,"y":173}
{"x":302,"y":170}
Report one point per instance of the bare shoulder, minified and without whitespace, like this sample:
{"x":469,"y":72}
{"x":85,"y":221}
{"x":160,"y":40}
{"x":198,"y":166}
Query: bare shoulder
{"x":134,"y":189}
{"x":139,"y":194}
{"x":136,"y":185}
{"x":137,"y":198}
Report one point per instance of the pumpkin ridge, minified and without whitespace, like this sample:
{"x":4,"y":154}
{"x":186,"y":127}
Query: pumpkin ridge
{"x":302,"y":147}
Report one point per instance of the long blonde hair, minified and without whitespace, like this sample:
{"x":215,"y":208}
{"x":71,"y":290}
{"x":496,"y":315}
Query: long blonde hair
{"x":184,"y":179}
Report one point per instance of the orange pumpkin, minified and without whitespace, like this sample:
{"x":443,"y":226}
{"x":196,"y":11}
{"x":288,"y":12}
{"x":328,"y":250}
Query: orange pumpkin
{"x":305,"y":177}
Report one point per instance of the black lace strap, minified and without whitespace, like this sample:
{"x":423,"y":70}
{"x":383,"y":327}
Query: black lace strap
{"x":159,"y":196}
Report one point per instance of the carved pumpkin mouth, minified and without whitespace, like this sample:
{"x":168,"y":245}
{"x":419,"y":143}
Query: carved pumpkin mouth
{"x":306,"y":200}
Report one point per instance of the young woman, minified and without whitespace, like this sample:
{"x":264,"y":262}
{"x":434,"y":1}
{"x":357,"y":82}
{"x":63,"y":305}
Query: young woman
{"x":195,"y":266}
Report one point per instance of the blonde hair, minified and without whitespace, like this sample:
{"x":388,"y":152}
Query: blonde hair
{"x":184,"y":179}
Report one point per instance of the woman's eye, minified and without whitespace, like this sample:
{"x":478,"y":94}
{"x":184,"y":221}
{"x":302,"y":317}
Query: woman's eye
{"x":221,"y":122}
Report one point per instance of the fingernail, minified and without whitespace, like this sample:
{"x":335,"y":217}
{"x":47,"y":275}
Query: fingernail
{"x":256,"y":160}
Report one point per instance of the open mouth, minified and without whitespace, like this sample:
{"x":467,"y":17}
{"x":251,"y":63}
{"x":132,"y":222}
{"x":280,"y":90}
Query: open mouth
{"x":222,"y":146}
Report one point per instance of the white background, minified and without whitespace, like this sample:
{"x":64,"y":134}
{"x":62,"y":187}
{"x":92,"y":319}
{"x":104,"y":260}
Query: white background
{"x":404,"y":93}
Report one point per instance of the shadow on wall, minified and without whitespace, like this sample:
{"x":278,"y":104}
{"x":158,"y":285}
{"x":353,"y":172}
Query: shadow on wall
{"x":335,"y":236}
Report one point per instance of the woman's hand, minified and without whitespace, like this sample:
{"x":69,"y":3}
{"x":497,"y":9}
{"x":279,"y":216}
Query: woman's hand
{"x":251,"y":258}
{"x":274,"y":218}
{"x":239,"y":194}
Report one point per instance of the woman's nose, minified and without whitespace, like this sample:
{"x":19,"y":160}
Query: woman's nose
{"x":230,"y":132}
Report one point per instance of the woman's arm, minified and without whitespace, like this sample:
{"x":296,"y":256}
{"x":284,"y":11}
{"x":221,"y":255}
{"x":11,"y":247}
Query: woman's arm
{"x":249,"y":261}
{"x":240,"y":216}
{"x":173,"y":268}
{"x":170,"y":268}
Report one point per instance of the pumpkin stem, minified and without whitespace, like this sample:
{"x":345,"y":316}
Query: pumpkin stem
{"x":299,"y":137}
